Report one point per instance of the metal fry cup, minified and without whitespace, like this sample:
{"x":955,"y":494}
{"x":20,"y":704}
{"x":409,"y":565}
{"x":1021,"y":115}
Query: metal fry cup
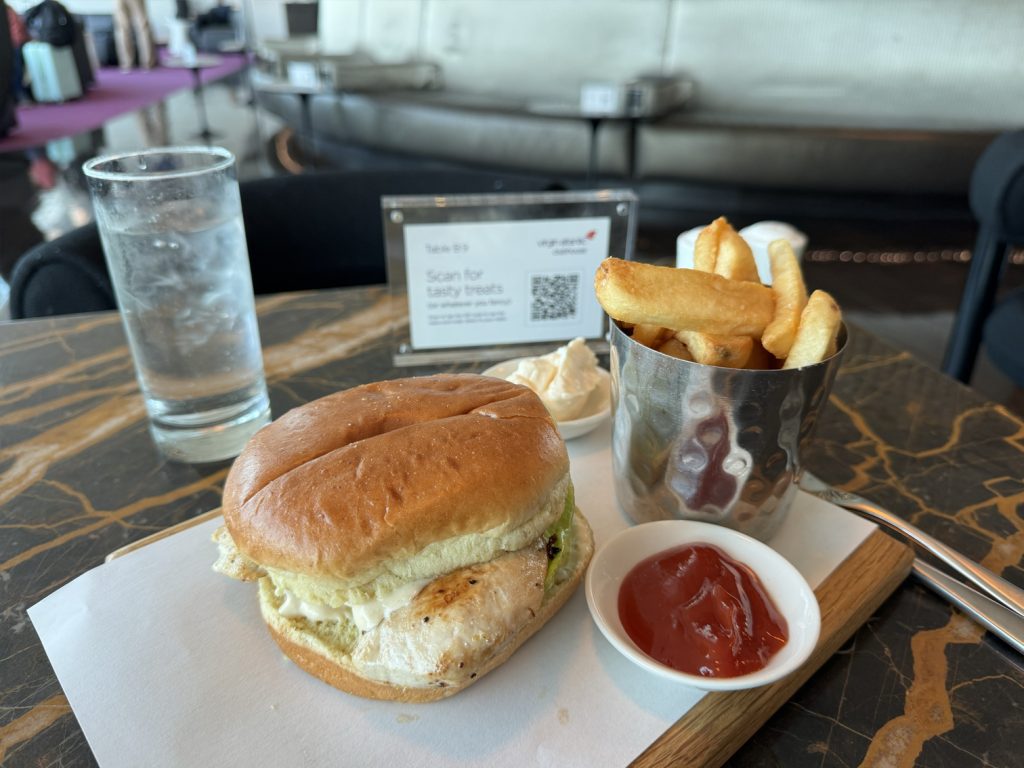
{"x":721,"y":445}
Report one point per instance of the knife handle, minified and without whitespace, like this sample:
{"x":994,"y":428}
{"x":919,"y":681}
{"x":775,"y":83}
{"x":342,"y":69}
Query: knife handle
{"x":997,"y":587}
{"x":990,"y":614}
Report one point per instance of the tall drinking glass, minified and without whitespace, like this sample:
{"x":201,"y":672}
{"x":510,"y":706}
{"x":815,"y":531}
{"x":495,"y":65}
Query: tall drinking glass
{"x":171,"y":224}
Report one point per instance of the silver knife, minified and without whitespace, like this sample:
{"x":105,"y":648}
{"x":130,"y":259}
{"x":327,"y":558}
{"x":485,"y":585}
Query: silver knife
{"x":990,"y":614}
{"x":996,"y":587}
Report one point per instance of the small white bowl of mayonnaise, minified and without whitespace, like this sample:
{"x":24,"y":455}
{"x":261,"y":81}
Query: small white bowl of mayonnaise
{"x":576,"y":391}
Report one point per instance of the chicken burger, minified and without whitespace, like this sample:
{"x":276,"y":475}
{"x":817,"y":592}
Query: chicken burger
{"x":407,"y":536}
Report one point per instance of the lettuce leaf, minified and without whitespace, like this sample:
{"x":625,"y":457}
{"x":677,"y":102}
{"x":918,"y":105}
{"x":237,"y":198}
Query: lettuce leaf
{"x":558,"y":540}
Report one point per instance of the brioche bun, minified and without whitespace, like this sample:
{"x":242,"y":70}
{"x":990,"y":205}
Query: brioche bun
{"x":391,"y":486}
{"x":379,"y":472}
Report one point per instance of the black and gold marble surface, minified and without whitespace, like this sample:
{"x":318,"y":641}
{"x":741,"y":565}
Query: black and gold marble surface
{"x":919,"y":685}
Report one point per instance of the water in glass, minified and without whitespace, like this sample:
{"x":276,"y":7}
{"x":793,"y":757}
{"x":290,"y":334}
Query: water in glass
{"x":185,"y":291}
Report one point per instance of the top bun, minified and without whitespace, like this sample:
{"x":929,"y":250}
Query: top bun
{"x":381,"y":471}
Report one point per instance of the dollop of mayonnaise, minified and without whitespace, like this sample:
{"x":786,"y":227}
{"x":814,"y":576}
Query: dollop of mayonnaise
{"x":563,"y":379}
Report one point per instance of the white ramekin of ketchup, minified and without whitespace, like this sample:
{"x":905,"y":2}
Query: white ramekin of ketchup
{"x":702,"y":604}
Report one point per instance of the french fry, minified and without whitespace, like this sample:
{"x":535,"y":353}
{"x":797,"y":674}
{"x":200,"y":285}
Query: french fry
{"x":735,"y":259}
{"x":723,"y":351}
{"x":719,"y":313}
{"x":790,"y":298}
{"x":705,"y":249}
{"x":675,"y":348}
{"x":682,"y":299}
{"x":736,"y":262}
{"x":722,"y":251}
{"x":817,"y":332}
{"x":650,"y":335}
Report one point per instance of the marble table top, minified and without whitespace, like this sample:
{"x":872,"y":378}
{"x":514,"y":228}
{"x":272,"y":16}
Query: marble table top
{"x":918,"y":684}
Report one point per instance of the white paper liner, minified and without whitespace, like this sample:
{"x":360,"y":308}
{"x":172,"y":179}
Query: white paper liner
{"x":166,"y":663}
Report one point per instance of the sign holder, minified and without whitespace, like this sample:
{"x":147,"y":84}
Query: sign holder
{"x":496,"y":276}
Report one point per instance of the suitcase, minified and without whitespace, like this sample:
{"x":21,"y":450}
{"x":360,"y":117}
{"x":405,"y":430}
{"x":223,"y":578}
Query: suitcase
{"x":8,"y":116}
{"x":52,"y":71}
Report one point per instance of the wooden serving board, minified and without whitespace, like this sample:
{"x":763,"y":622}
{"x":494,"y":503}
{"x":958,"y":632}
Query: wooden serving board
{"x":182,"y":526}
{"x":708,"y":734}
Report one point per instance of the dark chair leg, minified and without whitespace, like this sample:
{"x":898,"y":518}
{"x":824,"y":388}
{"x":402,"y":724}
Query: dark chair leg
{"x":987,"y":262}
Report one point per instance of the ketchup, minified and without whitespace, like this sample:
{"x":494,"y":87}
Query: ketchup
{"x":699,"y":611}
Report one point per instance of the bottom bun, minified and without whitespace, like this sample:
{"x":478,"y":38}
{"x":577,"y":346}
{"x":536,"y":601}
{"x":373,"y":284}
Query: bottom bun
{"x":308,"y":651}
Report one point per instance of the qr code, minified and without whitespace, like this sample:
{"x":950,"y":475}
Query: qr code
{"x":554,"y":296}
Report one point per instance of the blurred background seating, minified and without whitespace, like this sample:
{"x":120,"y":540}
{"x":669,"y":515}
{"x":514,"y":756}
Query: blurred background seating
{"x":997,"y":200}
{"x":328,"y":235}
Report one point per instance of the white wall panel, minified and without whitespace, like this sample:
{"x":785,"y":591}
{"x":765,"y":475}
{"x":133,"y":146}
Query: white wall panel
{"x":543,"y":48}
{"x":391,"y":31}
{"x":339,"y":24}
{"x":911,"y":63}
{"x":268,"y":18}
{"x":863,"y":62}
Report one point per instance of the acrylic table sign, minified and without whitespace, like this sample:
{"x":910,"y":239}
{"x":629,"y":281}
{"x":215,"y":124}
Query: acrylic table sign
{"x":485,"y":277}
